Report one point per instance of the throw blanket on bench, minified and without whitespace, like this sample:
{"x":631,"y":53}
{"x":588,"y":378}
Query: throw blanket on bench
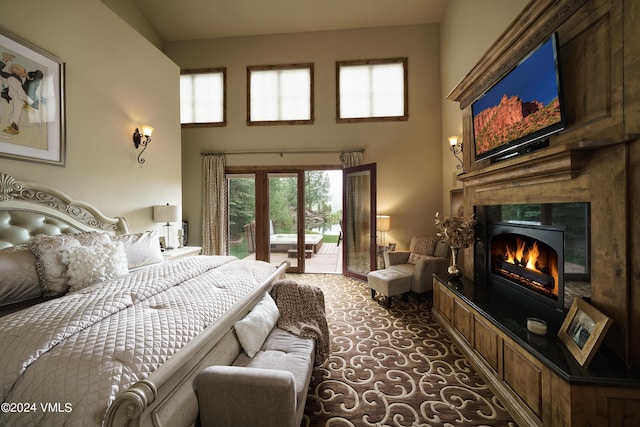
{"x":302,"y":313}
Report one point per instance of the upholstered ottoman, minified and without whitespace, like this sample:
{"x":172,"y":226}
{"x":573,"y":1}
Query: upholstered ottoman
{"x":389,"y":283}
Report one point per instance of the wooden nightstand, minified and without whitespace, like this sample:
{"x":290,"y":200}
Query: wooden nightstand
{"x":179,"y":253}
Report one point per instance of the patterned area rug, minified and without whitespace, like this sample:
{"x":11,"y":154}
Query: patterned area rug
{"x":392,"y":367}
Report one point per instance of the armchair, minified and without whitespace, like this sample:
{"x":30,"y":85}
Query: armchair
{"x":426,"y":255}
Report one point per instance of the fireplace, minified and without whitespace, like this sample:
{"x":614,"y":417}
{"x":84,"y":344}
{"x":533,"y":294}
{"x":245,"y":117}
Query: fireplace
{"x":526,"y":262}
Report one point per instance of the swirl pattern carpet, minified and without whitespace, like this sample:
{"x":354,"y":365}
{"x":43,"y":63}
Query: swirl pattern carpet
{"x":392,"y":367}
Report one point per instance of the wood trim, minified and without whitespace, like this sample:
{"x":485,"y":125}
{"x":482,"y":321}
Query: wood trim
{"x":295,"y":66}
{"x":222,"y":70}
{"x":529,"y":29}
{"x":405,"y":65}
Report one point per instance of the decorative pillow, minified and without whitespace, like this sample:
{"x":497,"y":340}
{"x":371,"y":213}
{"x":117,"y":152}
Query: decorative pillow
{"x":423,"y":245}
{"x":92,"y":238}
{"x":254,"y":328}
{"x":52,"y":272}
{"x":92,"y":264}
{"x":18,"y":276}
{"x":141,"y":248}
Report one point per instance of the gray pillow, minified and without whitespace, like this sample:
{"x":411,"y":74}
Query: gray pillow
{"x":18,"y":276}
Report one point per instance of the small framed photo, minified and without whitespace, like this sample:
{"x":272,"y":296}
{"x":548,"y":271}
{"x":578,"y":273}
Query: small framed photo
{"x":583,"y":330}
{"x":32,"y":126}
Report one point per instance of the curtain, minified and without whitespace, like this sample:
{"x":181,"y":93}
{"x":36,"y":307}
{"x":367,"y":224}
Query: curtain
{"x":354,"y":213}
{"x":214,"y":205}
{"x":350,"y":159}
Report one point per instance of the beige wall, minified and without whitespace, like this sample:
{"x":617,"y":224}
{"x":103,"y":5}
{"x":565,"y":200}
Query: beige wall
{"x":408,"y":154}
{"x":131,"y":13}
{"x":115,"y":80}
{"x":467,"y":30}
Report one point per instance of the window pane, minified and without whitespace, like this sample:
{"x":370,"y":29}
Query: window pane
{"x":202,"y":97}
{"x":354,"y":92}
{"x":295,"y":102}
{"x":372,"y":90}
{"x":280,"y":94}
{"x":388,"y":90}
{"x":264,"y":95}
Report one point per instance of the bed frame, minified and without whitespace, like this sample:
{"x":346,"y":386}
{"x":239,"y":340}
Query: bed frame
{"x":167,"y":396}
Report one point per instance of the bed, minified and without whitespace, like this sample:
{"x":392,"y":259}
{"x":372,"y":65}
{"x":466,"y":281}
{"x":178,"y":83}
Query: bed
{"x":122,"y":350}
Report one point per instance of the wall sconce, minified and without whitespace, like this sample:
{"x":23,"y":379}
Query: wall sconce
{"x":142,"y":138}
{"x":166,"y":213}
{"x":456,"y":148}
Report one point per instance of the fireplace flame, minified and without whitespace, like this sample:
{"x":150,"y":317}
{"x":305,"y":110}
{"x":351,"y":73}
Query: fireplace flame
{"x":523,"y":256}
{"x":528,"y":262}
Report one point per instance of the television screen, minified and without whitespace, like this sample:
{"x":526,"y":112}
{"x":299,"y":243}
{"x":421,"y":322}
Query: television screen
{"x":522,"y":108}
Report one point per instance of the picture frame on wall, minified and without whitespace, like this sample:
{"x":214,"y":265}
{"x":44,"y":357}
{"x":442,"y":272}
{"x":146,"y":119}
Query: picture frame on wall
{"x":583,"y":330}
{"x":32,"y":119}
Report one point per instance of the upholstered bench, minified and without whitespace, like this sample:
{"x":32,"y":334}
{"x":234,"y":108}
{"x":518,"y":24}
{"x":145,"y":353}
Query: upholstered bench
{"x":269,"y":389}
{"x":388,"y":283}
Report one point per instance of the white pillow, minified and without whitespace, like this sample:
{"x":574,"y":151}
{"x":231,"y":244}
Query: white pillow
{"x":254,"y":328}
{"x":87,"y":265}
{"x":141,"y":248}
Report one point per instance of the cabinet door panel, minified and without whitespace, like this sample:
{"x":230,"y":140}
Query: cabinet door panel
{"x":486,"y":342}
{"x":524,"y":378}
{"x":446,"y":303}
{"x":463,"y":319}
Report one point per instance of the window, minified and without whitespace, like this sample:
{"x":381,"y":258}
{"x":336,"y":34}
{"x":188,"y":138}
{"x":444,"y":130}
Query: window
{"x":280,"y":94}
{"x":203,"y":97}
{"x":372,"y":90}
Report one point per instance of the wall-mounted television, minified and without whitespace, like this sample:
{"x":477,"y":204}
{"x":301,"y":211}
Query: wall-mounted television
{"x":521,"y":110}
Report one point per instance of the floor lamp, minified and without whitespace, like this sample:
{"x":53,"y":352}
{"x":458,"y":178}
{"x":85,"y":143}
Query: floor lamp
{"x":383,"y":224}
{"x":166,"y":213}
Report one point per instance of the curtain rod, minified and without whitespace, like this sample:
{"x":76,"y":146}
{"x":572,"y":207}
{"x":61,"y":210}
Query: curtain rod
{"x":282,"y":153}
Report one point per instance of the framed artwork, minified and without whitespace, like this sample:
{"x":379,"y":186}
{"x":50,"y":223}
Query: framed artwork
{"x":583,"y":330}
{"x":32,"y":124}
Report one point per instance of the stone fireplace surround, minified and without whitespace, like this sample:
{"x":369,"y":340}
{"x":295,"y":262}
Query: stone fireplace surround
{"x":596,"y":159}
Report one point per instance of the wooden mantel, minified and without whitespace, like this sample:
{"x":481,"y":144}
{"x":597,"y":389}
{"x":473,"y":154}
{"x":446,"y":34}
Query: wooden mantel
{"x":595,"y":159}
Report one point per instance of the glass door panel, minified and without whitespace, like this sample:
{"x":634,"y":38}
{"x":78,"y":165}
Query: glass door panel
{"x":241,"y":196}
{"x":359,"y":220}
{"x":286,"y":238}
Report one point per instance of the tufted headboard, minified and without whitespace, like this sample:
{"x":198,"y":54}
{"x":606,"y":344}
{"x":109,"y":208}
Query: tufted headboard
{"x":28,"y":209}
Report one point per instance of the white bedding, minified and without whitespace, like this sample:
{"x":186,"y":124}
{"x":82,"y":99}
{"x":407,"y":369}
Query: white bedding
{"x":74,"y":354}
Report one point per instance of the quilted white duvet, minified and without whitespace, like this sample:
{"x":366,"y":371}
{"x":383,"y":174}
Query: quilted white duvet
{"x":63,"y":362}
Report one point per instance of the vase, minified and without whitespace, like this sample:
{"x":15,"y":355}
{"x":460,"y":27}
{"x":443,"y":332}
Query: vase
{"x":453,"y":270}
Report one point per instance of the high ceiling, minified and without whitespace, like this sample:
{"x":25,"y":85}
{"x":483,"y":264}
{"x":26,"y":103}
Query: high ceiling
{"x":181,"y":20}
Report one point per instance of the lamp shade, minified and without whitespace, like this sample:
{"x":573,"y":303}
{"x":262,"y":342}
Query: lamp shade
{"x":383,"y":222}
{"x":147,"y":130}
{"x":165,"y":213}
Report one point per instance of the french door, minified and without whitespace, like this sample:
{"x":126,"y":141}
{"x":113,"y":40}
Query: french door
{"x":359,"y":220}
{"x":265,"y":221}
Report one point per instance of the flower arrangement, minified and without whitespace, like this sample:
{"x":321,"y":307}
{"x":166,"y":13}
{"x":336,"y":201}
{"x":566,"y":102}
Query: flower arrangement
{"x":458,"y":232}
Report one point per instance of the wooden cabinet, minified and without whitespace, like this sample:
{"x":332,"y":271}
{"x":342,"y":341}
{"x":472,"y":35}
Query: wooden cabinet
{"x":534,"y":393}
